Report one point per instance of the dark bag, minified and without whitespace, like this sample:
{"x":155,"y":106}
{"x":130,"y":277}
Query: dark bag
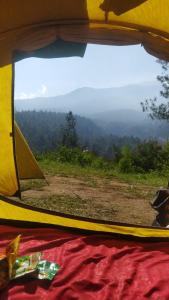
{"x":161,"y":204}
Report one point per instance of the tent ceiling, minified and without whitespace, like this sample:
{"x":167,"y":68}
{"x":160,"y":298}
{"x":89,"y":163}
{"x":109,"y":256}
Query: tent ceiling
{"x":30,"y":25}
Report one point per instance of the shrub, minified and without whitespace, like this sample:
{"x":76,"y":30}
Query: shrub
{"x":126,"y":161}
{"x":147,"y":156}
{"x":100,"y":163}
{"x":75,"y":156}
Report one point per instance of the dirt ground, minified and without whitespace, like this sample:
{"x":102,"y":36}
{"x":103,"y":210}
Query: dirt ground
{"x":94,"y":197}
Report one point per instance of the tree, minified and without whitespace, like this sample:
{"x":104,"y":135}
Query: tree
{"x":69,"y":134}
{"x":155,"y":110}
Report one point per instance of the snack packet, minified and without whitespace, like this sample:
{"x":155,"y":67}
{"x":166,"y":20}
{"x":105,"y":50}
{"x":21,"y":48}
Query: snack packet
{"x":47,"y":270}
{"x":26,"y":265}
{"x":12,"y":253}
{"x":13,"y":267}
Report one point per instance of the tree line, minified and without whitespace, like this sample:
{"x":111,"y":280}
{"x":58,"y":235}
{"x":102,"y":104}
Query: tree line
{"x":58,"y":137}
{"x":47,"y":131}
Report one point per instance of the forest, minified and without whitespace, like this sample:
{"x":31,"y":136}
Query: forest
{"x":78,"y":140}
{"x":43,"y":131}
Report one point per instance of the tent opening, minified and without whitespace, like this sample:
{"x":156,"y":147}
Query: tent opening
{"x":83,"y":119}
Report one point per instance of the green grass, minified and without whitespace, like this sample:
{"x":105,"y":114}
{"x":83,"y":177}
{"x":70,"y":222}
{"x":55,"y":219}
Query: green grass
{"x":88,"y":173}
{"x":150,"y":179}
{"x":52,"y":167}
{"x":73,"y":206}
{"x":37,"y":184}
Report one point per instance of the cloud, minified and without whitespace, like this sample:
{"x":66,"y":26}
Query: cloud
{"x":43,"y":89}
{"x":39,"y":93}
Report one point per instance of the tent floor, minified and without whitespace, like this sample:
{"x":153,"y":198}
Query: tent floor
{"x":93,"y":266}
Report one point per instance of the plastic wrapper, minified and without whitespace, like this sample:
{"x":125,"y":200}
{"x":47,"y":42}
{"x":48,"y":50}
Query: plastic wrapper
{"x":26,"y":265}
{"x":12,"y":253}
{"x":13,"y":267}
{"x":47,"y":270}
{"x":32,"y":266}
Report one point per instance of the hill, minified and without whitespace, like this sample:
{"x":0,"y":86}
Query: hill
{"x":128,"y":122}
{"x":121,"y":115}
{"x":43,"y":132}
{"x":90,"y":101}
{"x":43,"y":129}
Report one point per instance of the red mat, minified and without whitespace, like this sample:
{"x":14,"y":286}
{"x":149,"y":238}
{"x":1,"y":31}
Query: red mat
{"x":93,"y":267}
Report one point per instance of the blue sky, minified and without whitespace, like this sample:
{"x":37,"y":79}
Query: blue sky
{"x":101,"y":67}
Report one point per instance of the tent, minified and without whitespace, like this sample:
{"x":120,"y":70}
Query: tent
{"x":26,"y":163}
{"x":99,"y":260}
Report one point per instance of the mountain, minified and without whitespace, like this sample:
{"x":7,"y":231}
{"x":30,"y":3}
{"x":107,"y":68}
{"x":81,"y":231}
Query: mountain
{"x":115,"y":111}
{"x":121,"y":115}
{"x":90,"y":101}
{"x":131,"y":123}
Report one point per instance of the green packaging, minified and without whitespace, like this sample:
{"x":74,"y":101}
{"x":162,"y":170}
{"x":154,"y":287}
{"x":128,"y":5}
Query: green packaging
{"x":26,"y":265}
{"x":32,"y":266}
{"x":47,"y":270}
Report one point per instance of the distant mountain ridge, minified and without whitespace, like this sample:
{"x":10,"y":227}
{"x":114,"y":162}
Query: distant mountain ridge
{"x":91,"y":101}
{"x":131,"y":123}
{"x":114,"y":111}
{"x":121,"y":115}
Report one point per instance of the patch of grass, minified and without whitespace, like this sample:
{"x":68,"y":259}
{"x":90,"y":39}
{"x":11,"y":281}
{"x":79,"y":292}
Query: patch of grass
{"x":52,"y":167}
{"x":32,"y":184}
{"x":135,"y":191}
{"x":91,"y":182}
{"x":73,"y":206}
{"x":153,"y":179}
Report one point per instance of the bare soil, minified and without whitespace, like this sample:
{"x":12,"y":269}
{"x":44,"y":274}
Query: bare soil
{"x":94,"y":197}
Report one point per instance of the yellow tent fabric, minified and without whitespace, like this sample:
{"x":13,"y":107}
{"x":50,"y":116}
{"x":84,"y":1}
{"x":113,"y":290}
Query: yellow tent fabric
{"x":26,"y":163}
{"x":8,"y":177}
{"x":29,"y":25}
{"x":14,"y":211}
{"x":13,"y":164}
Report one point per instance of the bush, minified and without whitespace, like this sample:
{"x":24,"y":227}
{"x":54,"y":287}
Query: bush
{"x":147,"y":156}
{"x":46,"y":155}
{"x":79,"y":157}
{"x":76,"y":156}
{"x":164,"y":162}
{"x":126,"y":161}
{"x":100,"y":163}
{"x":65,"y":154}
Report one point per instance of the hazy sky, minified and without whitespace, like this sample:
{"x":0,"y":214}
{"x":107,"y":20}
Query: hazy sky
{"x":102,"y":66}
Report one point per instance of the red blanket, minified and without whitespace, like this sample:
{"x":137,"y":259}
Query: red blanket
{"x":93,"y":267}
